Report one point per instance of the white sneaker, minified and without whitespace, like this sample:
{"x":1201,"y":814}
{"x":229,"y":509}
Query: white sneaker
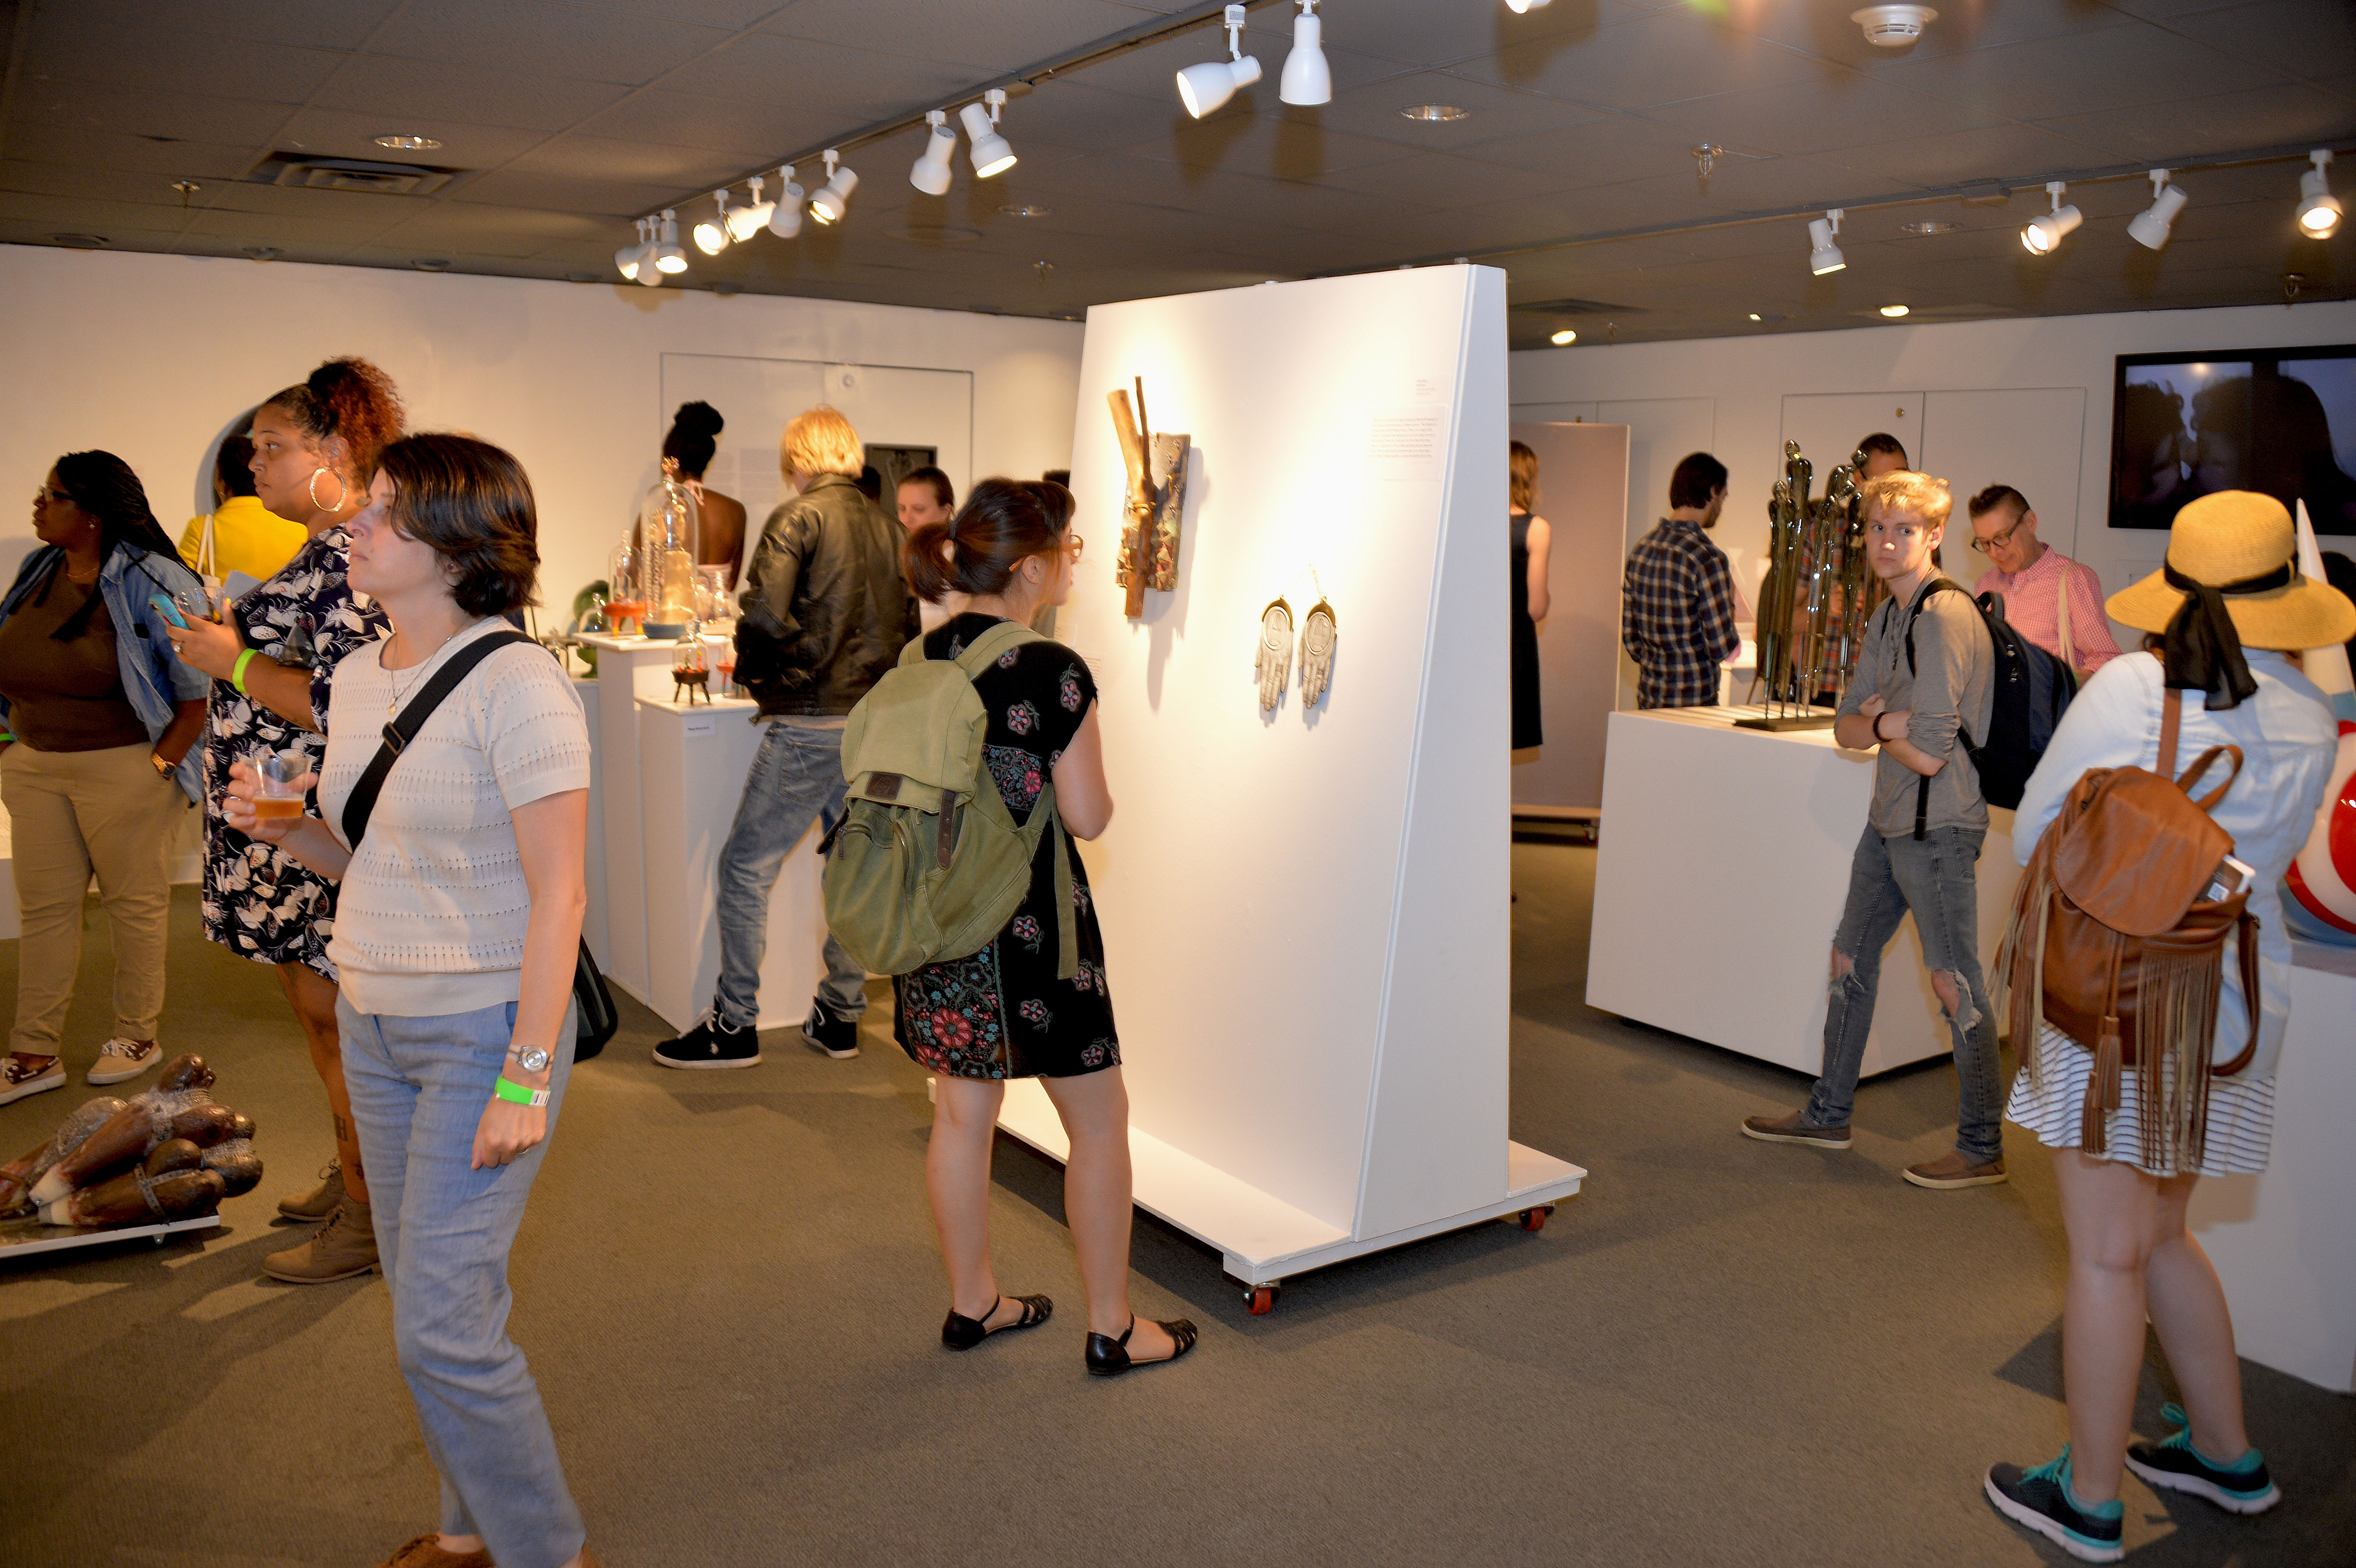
{"x":121,"y":1059}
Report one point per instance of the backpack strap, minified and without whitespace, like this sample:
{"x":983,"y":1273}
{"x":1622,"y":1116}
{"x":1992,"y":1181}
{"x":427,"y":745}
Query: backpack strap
{"x":401,"y":731}
{"x":1913,"y":612}
{"x":2170,"y":719}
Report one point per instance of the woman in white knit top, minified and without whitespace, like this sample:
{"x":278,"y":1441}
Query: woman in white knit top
{"x":457,"y":923}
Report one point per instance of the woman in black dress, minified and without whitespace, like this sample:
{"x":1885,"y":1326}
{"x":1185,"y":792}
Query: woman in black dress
{"x":1531,"y":542}
{"x":1003,"y":1013}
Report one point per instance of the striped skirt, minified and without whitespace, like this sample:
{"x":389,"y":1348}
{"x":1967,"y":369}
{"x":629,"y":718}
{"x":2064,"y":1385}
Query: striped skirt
{"x":2240,"y":1113}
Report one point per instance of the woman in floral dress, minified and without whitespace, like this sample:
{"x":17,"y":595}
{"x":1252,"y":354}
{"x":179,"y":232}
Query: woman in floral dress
{"x":1003,"y":1012}
{"x":314,"y":453}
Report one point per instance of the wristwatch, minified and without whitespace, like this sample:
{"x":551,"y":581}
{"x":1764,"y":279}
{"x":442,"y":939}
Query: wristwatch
{"x":530,"y":1058}
{"x":164,"y":770}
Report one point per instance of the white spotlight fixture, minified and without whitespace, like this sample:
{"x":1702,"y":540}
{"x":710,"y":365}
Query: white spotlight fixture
{"x":985,"y":146}
{"x":931,"y":173}
{"x":2149,"y":227}
{"x":1307,"y":78}
{"x":2318,"y":209}
{"x":669,"y":257}
{"x":1202,"y":87}
{"x":786,"y":218}
{"x":2039,"y":236}
{"x":833,"y":198}
{"x":1823,"y":256}
{"x":1566,"y":337}
{"x":628,"y":259}
{"x":712,"y":235}
{"x":748,"y":220}
{"x":1894,"y":312}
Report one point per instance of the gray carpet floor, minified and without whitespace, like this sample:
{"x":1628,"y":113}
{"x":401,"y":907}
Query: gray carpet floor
{"x":1721,"y":1352}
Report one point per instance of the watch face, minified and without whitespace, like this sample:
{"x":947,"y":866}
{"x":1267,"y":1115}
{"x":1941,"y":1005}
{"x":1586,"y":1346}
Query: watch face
{"x":531,"y":1060}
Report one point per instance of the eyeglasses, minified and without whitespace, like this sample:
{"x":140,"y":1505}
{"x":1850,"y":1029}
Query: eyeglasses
{"x":1987,"y":546}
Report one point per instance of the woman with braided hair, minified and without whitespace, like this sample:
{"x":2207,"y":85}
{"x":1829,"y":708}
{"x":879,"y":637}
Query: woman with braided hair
{"x":315,"y":450}
{"x":98,"y":732}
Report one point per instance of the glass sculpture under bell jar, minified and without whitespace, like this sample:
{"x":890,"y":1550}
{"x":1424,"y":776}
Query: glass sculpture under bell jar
{"x":668,"y":526}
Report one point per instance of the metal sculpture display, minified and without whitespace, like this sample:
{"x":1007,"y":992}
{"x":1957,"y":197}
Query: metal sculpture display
{"x":1817,"y":595}
{"x":1155,"y":501}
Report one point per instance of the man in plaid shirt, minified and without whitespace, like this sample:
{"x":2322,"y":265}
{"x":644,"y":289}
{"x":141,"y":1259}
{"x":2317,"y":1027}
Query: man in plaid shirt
{"x":1678,"y":598}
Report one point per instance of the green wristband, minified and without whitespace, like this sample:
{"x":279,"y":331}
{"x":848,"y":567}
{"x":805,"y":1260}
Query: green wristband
{"x":516,"y":1095}
{"x":237,"y":670}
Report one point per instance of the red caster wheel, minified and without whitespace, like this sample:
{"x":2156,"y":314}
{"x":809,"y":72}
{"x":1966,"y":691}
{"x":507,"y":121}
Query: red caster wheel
{"x":1260,"y":1299}
{"x":1536,"y":1218}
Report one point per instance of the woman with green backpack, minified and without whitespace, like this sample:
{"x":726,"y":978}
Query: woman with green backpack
{"x":1015,"y":1009}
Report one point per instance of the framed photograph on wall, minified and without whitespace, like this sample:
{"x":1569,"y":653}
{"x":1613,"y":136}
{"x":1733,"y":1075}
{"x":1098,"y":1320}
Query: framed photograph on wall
{"x":2282,"y":420}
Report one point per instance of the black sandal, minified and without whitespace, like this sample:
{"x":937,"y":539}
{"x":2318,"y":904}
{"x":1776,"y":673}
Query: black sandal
{"x":1109,"y":1357}
{"x":963,"y":1333}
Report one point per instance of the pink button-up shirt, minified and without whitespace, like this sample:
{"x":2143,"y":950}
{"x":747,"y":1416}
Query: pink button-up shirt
{"x":2032,"y":603}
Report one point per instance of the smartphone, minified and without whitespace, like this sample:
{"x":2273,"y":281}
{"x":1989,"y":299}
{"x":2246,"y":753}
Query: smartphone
{"x":170,"y":611}
{"x":2231,"y":877}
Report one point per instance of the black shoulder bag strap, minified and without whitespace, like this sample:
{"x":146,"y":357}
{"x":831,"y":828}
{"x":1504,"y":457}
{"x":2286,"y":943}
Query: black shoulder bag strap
{"x":1923,"y":785}
{"x":401,"y":731}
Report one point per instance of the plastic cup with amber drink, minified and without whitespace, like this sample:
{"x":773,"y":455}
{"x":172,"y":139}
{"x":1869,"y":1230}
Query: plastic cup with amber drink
{"x":281,"y":794}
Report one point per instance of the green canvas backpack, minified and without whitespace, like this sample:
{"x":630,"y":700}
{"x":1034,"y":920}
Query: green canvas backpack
{"x":927,"y":863}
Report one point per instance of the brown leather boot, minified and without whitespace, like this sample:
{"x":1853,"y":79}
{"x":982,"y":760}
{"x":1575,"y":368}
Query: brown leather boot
{"x":343,"y":1247}
{"x":426,"y":1552}
{"x":321,"y":1200}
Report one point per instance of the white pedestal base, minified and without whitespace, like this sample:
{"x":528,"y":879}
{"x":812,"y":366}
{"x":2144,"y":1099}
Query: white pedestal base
{"x":1720,"y":885}
{"x":1262,"y":1239}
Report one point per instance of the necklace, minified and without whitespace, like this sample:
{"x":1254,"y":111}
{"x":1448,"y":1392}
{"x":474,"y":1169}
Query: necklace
{"x":73,"y":576}
{"x":392,"y":707}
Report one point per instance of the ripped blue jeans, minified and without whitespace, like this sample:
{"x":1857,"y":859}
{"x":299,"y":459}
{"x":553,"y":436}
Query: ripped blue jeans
{"x":1938,"y":879}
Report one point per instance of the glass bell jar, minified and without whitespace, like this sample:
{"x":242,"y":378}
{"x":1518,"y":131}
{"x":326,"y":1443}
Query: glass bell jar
{"x":668,"y":523}
{"x":626,"y":609}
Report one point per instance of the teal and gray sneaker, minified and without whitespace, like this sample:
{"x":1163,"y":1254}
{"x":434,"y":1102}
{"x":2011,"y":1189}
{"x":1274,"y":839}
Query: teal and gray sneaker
{"x":2242,"y":1486}
{"x":2041,"y":1500}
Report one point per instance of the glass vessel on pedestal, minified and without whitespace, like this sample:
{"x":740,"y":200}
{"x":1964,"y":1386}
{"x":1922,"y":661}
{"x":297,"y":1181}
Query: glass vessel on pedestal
{"x":624,"y":609}
{"x":712,"y":600}
{"x":690,"y":667}
{"x":668,"y":525}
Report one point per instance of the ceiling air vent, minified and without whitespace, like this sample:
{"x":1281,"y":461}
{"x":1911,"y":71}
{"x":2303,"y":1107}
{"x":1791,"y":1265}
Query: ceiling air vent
{"x":350,"y":173}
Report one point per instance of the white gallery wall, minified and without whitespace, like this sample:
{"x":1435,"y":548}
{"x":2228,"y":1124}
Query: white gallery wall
{"x":149,"y":357}
{"x":2025,"y":403}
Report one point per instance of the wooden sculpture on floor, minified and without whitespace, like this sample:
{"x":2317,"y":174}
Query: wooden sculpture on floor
{"x":1155,"y":502}
{"x":171,"y":1153}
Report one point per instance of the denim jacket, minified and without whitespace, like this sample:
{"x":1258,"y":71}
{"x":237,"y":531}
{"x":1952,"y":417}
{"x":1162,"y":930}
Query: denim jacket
{"x":153,"y":678}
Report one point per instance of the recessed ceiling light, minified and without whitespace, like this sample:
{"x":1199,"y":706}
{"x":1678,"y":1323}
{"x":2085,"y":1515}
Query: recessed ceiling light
{"x":79,"y":241}
{"x":1435,"y":112}
{"x":1025,"y":210}
{"x":432,"y":265}
{"x":261,"y":253}
{"x":1755,"y":316}
{"x":1565,"y":336}
{"x":1893,"y":311}
{"x":407,"y":144}
{"x":1929,"y":226}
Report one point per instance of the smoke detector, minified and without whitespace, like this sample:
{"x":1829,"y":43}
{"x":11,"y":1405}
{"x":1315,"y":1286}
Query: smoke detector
{"x":1893,"y":26}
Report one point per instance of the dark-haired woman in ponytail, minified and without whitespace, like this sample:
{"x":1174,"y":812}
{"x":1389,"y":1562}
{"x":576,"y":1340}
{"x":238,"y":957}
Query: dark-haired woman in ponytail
{"x":693,"y":439}
{"x":98,"y":726}
{"x":1004,"y":1012}
{"x":315,"y":451}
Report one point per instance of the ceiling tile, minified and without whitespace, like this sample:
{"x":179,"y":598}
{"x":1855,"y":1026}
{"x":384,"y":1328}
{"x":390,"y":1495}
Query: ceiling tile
{"x":857,"y":84}
{"x":559,"y":40}
{"x":1599,"y":151}
{"x":165,"y":161}
{"x":2296,"y":37}
{"x":1655,"y":59}
{"x":1760,"y":185}
{"x":1827,"y":31}
{"x":319,"y":24}
{"x":994,"y":35}
{"x":749,"y":132}
{"x":352,"y":133}
{"x":379,"y":85}
{"x":1962,"y":157}
{"x":1491,"y":112}
{"x":2115,"y":68}
{"x":619,"y":200}
{"x":1086,"y":118}
{"x":642,"y":163}
{"x":1301,"y":148}
{"x":186,"y":116}
{"x":2193,"y":126}
{"x":1816,"y":117}
{"x":1443,"y":182}
{"x":151,"y":59}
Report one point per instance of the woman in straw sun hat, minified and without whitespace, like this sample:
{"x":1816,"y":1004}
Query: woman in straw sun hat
{"x":2228,"y":614}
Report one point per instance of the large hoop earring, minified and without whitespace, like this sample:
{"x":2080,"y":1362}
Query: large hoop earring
{"x":343,"y":490}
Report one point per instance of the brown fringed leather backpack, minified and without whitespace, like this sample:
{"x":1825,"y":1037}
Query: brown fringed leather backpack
{"x":2113,"y":943}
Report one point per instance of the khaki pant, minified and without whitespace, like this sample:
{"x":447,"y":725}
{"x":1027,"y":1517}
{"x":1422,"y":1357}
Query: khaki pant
{"x":73,"y":812}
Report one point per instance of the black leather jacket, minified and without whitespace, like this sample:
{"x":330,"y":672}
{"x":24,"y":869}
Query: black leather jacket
{"x":826,"y":610}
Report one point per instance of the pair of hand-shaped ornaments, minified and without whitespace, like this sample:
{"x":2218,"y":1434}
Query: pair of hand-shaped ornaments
{"x":1273,"y":663}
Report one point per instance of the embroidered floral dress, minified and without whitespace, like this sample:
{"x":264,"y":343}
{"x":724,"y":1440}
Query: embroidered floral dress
{"x":1003,"y":1013}
{"x":259,"y":902}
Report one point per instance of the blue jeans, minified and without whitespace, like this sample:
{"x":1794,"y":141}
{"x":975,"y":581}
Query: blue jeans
{"x":442,"y":1231}
{"x":1938,"y":879}
{"x":796,"y":779}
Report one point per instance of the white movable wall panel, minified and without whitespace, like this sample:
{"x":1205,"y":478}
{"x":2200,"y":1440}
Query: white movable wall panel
{"x":1584,"y":496}
{"x":1305,"y":913}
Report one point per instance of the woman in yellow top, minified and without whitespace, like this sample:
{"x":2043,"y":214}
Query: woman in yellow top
{"x":248,"y":537}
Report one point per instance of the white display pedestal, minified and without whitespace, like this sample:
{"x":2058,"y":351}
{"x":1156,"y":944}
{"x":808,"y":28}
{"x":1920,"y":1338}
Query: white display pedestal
{"x":2284,"y":1243}
{"x":628,"y":670}
{"x":1721,"y":883}
{"x":692,"y":761}
{"x":1304,"y":913}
